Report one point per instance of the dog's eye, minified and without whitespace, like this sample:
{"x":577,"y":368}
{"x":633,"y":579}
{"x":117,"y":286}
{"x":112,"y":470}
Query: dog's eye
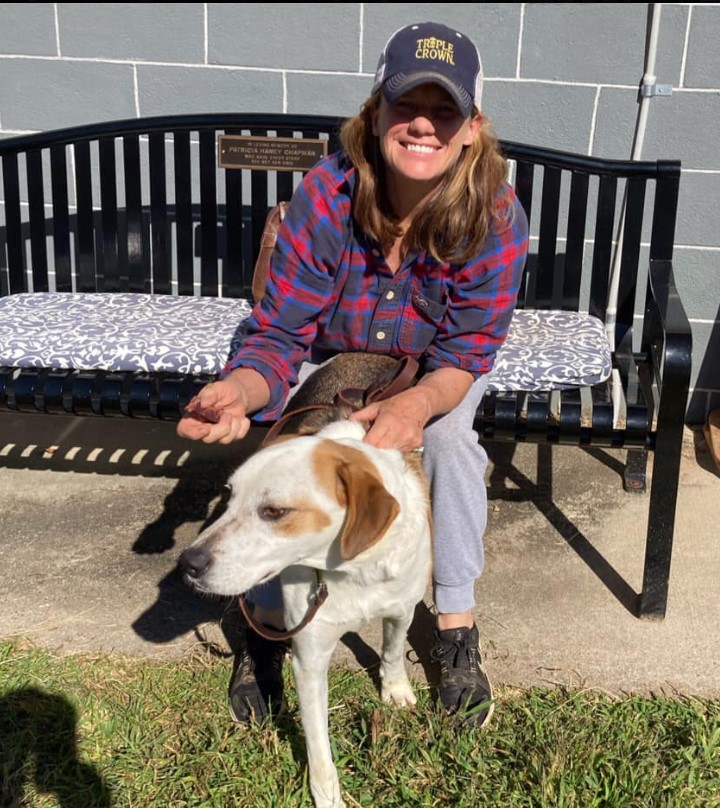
{"x":271,"y":514}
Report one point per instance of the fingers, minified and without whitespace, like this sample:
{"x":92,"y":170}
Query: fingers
{"x":198,"y":412}
{"x":392,"y":426}
{"x":380,"y":437}
{"x":390,"y":432}
{"x":236,"y":429}
{"x":381,"y":433}
{"x":192,"y":428}
{"x":215,"y":415}
{"x":369,"y":413}
{"x":211,"y":398}
{"x":226,"y":430}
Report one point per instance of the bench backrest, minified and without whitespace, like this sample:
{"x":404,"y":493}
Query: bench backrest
{"x":141,"y":205}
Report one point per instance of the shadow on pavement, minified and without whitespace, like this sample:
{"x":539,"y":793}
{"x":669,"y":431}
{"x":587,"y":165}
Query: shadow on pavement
{"x":541,"y":495}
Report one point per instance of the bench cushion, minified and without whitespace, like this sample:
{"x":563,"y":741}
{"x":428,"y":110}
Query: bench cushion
{"x":140,"y":332}
{"x":120,"y":331}
{"x":551,"y":350}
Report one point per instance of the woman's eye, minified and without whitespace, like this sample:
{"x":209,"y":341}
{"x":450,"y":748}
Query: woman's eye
{"x":269,"y":513}
{"x":404,"y":107}
{"x":446,"y":113}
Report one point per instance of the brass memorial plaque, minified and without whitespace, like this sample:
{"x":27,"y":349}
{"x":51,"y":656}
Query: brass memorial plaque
{"x":270,"y":153}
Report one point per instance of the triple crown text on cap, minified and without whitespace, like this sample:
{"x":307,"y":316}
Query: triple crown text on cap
{"x":437,"y":49}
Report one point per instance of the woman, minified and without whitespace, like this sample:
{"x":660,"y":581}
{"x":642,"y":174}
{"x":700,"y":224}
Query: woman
{"x":407,"y":242}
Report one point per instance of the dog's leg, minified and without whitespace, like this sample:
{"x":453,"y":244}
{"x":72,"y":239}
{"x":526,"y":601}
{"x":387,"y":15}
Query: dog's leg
{"x":311,"y":660}
{"x":395,"y":687}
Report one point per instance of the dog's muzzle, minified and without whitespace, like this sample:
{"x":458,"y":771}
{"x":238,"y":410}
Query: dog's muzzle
{"x":195,"y":562}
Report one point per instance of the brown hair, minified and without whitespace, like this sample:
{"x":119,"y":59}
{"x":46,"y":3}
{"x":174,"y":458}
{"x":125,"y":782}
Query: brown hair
{"x":453,"y":222}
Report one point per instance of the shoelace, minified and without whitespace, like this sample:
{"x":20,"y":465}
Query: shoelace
{"x":454,"y":654}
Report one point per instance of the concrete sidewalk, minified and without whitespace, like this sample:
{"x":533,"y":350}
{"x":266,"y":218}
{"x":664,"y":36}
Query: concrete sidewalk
{"x":93,"y":516}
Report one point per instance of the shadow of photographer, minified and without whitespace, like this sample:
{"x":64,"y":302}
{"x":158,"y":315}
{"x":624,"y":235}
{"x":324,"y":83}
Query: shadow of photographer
{"x":38,"y":744}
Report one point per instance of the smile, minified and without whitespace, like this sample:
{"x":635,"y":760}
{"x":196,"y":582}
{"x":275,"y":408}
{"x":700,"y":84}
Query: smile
{"x":416,"y":147}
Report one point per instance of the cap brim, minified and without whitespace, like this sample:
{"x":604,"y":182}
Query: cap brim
{"x":396,"y":86}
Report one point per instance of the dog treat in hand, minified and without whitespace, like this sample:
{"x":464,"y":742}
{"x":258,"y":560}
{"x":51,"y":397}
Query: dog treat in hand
{"x":208,"y":415}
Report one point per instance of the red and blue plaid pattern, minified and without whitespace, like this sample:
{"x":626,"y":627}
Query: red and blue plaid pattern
{"x":329,"y":290}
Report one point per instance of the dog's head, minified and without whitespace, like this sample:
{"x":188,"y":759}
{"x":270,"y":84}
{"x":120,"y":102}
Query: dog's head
{"x":313,"y":500}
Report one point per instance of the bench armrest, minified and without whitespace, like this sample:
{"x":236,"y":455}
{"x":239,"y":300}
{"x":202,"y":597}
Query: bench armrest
{"x":667,"y":340}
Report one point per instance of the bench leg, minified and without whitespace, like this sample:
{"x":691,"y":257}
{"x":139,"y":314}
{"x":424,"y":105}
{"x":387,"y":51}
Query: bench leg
{"x":635,"y":471}
{"x":661,"y":527}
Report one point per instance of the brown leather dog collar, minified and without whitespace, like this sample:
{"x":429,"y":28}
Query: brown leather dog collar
{"x":319,"y":596}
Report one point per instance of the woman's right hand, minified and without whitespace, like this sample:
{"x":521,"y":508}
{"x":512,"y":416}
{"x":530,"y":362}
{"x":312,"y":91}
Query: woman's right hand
{"x":217,"y":414}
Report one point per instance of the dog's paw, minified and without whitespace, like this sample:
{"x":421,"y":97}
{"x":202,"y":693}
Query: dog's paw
{"x":398,"y":692}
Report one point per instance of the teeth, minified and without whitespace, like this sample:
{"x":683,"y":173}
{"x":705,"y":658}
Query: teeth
{"x":422,"y":149}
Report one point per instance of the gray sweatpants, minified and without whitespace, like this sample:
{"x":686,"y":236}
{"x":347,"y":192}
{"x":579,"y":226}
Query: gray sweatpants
{"x":455,"y":465}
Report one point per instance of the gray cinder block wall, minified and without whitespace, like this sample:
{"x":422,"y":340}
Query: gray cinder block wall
{"x":564,"y":75}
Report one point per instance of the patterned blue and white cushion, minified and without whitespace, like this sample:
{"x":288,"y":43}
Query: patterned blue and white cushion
{"x":118,"y":331}
{"x":138,"y":332}
{"x":551,"y":350}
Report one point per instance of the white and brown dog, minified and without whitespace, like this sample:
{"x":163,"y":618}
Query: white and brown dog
{"x":326,"y":505}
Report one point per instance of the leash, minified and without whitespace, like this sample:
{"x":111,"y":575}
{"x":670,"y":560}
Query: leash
{"x":387,"y":385}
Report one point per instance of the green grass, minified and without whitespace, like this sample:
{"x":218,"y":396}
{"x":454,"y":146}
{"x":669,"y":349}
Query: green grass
{"x":87,"y":732}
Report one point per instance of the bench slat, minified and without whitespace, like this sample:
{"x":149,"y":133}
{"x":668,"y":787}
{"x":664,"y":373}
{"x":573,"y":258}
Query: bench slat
{"x":160,"y":229}
{"x":60,"y":218}
{"x":575,"y":247}
{"x":135,"y":257}
{"x":524,"y":177}
{"x":13,"y":228}
{"x":184,"y":226}
{"x":234,"y":284}
{"x":603,"y":248}
{"x":546,"y":289}
{"x":208,"y":215}
{"x":571,"y":418}
{"x":630,"y":256}
{"x":36,"y":209}
{"x":85,"y":219}
{"x":608,"y":412}
{"x":108,"y":197}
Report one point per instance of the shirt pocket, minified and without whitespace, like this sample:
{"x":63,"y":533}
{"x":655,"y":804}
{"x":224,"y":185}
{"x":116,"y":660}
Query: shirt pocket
{"x":422,"y":319}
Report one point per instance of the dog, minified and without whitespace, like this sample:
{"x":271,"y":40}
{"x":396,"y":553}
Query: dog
{"x":316,"y":499}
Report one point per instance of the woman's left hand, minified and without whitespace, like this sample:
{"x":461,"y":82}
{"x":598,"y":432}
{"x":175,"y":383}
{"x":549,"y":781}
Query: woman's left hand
{"x":397,"y":422}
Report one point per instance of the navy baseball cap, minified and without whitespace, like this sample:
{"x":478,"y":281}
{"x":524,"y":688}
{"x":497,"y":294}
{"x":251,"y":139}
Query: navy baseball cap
{"x":430,"y":52}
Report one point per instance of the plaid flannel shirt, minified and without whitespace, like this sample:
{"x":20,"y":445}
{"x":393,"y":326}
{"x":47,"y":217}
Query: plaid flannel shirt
{"x":329,"y":290}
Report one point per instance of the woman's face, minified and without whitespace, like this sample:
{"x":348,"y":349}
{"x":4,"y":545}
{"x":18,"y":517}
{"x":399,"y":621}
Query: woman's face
{"x":422,"y":134}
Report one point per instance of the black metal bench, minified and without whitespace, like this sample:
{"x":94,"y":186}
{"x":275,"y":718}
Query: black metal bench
{"x":141,"y":206}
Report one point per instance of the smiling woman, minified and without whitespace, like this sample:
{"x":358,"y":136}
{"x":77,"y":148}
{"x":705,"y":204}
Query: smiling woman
{"x":407,"y":242}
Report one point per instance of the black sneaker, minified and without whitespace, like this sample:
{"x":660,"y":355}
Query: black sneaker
{"x":464,"y":687}
{"x":256,"y":691}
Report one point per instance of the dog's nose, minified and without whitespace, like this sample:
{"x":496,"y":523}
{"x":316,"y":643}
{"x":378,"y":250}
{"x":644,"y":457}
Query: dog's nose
{"x":194,"y":561}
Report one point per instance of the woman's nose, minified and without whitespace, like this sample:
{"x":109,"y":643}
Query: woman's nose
{"x":422,"y":122}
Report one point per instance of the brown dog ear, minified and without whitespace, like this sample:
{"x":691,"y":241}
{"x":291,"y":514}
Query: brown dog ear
{"x":348,"y":475}
{"x":371,"y":509}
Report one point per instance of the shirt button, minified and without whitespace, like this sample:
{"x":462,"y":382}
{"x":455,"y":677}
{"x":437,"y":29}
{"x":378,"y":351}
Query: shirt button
{"x":390,"y":295}
{"x":380,"y":335}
